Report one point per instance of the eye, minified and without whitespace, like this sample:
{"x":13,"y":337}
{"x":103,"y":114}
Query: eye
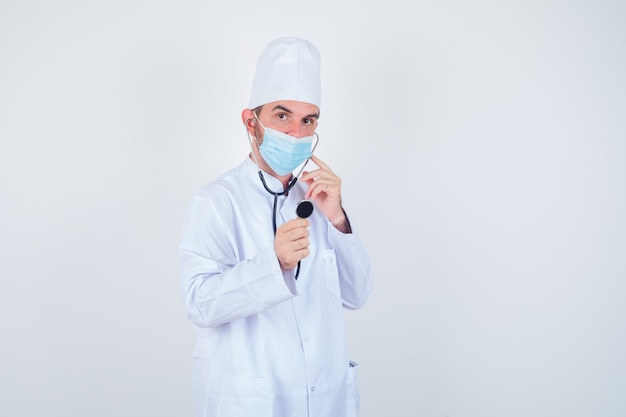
{"x":308,"y":121}
{"x":282,"y":116}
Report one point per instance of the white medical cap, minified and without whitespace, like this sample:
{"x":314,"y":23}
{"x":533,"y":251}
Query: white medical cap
{"x":287,"y":69}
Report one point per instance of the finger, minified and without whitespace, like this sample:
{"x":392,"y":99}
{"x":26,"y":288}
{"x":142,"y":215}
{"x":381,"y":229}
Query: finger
{"x":297,"y":234}
{"x":321,"y":172}
{"x":322,"y":167}
{"x":320,"y":163}
{"x":291,"y":253}
{"x":319,"y":177}
{"x":323,"y":177}
{"x":286,"y":238}
{"x":303,"y":253}
{"x":297,"y":245}
{"x":318,"y":189}
{"x":314,"y":190}
{"x":291,"y":239}
{"x":327,"y":186}
{"x":301,"y":244}
{"x":293,"y":224}
{"x":309,"y":176}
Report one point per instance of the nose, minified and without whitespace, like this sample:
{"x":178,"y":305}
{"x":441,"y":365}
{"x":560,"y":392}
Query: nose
{"x":295,"y":129}
{"x":292,"y":129}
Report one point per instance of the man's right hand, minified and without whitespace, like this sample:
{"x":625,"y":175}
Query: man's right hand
{"x":291,"y":243}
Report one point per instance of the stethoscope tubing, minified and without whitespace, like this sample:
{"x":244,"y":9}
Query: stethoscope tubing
{"x":286,"y":190}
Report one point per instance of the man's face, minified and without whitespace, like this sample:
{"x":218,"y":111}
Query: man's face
{"x":294,"y":118}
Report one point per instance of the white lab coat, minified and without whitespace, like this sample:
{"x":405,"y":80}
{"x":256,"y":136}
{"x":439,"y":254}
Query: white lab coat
{"x":268,"y":345}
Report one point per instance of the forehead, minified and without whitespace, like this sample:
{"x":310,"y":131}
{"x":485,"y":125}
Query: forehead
{"x":296,"y":108}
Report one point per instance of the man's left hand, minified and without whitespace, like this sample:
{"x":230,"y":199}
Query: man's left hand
{"x":325,"y":191}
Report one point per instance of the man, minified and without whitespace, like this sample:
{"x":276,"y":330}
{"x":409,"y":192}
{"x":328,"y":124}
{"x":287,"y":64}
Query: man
{"x":264,"y":288}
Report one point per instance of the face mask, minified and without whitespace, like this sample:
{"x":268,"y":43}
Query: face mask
{"x":284,"y":153}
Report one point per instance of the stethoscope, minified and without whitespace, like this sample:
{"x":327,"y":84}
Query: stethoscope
{"x":304,"y":208}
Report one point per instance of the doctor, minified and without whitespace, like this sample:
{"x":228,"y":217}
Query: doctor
{"x":264,"y":288}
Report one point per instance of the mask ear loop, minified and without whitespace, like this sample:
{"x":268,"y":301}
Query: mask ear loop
{"x":251,"y":147}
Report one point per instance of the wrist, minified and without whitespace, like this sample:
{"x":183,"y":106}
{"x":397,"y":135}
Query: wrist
{"x":341,"y":222}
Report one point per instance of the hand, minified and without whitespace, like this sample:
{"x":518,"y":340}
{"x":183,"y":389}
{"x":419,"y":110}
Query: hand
{"x":325,"y":191}
{"x":291,"y":243}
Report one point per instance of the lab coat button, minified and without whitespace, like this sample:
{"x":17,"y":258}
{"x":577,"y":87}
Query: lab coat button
{"x":312,"y":388}
{"x":306,"y":339}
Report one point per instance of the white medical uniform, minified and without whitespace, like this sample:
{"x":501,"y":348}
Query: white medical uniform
{"x":268,"y":345}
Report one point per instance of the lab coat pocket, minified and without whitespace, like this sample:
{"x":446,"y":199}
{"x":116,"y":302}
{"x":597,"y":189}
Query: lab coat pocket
{"x":352,"y":391}
{"x":331,"y":275}
{"x":242,"y":396}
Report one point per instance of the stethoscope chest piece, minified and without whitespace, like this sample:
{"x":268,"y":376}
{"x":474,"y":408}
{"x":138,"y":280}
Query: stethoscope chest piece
{"x":304,"y":209}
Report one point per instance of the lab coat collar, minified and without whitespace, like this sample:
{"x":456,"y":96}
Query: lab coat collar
{"x":287,"y":204}
{"x":273,"y":183}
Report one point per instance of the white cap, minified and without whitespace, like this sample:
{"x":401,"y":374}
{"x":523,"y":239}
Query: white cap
{"x":287,"y":69}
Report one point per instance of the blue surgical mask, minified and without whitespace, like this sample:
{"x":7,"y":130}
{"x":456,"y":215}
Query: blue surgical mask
{"x":283,"y":152}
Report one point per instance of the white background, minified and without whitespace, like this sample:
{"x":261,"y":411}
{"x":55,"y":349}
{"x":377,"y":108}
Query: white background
{"x":483,"y":151}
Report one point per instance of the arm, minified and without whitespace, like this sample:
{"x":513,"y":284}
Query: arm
{"x":217,"y":285}
{"x":353,"y":266}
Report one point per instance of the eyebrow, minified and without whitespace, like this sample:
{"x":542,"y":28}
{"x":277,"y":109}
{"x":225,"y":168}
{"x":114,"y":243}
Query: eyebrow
{"x":286,"y":110}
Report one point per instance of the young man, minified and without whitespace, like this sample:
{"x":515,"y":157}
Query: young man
{"x":264,"y":287}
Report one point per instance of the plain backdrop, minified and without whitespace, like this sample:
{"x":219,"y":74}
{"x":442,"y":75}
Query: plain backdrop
{"x":482,"y":147}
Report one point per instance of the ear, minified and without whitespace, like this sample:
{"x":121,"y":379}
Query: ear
{"x":247,"y":117}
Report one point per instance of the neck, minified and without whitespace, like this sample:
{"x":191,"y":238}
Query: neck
{"x":284,"y":179}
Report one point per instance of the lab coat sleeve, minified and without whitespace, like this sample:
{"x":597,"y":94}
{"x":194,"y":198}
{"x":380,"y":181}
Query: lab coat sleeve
{"x":353,"y":265}
{"x":218,"y":286}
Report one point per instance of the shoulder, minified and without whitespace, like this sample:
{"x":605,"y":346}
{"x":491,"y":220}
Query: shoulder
{"x":222,"y":191}
{"x":217,"y":191}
